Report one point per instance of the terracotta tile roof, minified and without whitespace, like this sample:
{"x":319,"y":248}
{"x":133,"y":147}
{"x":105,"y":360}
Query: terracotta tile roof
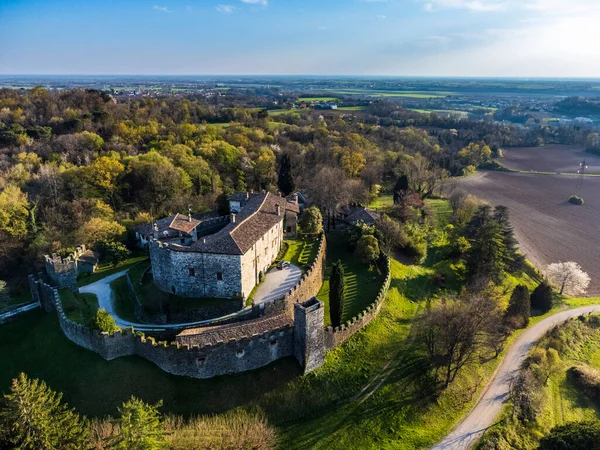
{"x":238,"y":330}
{"x":257,"y":217}
{"x":147,"y":230}
{"x":184,"y":223}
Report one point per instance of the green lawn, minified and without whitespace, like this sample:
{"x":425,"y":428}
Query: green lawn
{"x":351,"y":108}
{"x":300,"y":251}
{"x":105,"y":270}
{"x":80,"y":308}
{"x":362,"y":285}
{"x":382,"y":202}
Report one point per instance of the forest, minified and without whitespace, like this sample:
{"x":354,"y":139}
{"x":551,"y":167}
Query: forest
{"x":77,"y":166}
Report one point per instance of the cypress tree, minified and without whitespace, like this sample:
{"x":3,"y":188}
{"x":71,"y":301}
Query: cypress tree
{"x":34,"y":418}
{"x":285,"y":181}
{"x":479,"y":219}
{"x":487,"y":255}
{"x":514,"y":260}
{"x":337,"y":290}
{"x":541,"y":297}
{"x":519,"y":307}
{"x":400,"y":189}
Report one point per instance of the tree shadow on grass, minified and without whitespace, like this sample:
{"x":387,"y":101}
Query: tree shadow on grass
{"x":415,"y":289}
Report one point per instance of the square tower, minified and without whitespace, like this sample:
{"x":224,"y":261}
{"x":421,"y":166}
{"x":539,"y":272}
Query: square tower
{"x":309,"y":334}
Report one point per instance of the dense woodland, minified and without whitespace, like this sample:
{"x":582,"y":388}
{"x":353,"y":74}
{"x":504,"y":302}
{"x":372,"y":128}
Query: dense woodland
{"x":78,"y":166}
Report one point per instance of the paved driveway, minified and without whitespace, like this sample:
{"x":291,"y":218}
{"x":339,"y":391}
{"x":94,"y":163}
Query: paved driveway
{"x":489,"y":406}
{"x":106,"y":300}
{"x":277,"y":283}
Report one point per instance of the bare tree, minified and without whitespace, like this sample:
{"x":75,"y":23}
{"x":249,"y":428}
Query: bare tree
{"x":329,"y":190}
{"x":391,"y":234}
{"x":453,"y":331}
{"x":568,"y":278}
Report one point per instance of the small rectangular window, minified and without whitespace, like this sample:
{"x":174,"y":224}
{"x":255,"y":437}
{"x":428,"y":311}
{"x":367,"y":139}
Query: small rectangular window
{"x":266,"y":251}
{"x":219,"y":276}
{"x":192,"y":271}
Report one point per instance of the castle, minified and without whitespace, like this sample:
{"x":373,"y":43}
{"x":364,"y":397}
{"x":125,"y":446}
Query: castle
{"x":222,"y":257}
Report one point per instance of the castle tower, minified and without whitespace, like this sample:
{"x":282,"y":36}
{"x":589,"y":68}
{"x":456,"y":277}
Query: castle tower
{"x":309,"y":334}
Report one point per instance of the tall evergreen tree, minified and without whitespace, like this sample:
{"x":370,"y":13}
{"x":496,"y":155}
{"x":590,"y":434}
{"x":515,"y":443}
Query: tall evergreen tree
{"x":32,"y":417}
{"x":285,"y":181}
{"x":515,"y":261}
{"x":400,"y":189}
{"x":541,"y":297}
{"x":140,"y":426}
{"x":337,"y":291}
{"x":519,"y":307}
{"x":487,"y":255}
{"x":479,"y":219}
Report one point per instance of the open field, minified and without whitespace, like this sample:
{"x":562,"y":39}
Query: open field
{"x":549,"y":229}
{"x":552,"y":158}
{"x":317,"y":99}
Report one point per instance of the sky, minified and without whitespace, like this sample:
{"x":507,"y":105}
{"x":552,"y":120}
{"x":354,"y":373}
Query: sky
{"x":464,"y":38}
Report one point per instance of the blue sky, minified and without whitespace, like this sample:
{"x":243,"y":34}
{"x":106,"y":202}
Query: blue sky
{"x":531,"y":38}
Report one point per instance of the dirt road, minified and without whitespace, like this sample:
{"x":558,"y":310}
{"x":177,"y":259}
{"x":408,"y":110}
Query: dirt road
{"x":489,"y":406}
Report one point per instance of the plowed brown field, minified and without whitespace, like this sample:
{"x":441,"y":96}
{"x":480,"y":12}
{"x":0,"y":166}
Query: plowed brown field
{"x":549,"y":229}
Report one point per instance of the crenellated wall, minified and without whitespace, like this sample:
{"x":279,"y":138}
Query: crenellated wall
{"x":335,"y":337}
{"x":292,"y":325}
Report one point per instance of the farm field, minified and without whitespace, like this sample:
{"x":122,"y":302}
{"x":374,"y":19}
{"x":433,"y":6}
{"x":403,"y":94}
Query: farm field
{"x":552,"y":158}
{"x":549,"y":229}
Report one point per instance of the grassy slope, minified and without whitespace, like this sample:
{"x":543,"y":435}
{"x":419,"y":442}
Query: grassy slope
{"x":300,"y":251}
{"x":105,"y":270}
{"x":80,"y":308}
{"x":563,"y":402}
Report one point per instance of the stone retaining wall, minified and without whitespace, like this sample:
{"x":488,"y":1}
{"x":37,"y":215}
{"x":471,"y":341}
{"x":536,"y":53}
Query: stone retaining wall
{"x":338,"y":335}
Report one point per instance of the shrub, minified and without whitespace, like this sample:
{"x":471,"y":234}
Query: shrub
{"x":573,"y":436}
{"x":576,"y":200}
{"x":367,"y":249}
{"x":541,"y":297}
{"x":105,"y":322}
{"x":587,"y":379}
{"x":311,"y":221}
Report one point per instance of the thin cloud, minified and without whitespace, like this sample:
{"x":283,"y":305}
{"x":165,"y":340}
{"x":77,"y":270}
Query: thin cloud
{"x":323,"y":28}
{"x":225,"y":9}
{"x":381,"y":16}
{"x":470,"y":5}
{"x":256,"y":2}
{"x":161,"y":8}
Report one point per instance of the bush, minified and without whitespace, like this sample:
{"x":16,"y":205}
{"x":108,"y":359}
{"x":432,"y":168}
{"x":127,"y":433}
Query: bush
{"x":541,"y":297}
{"x":587,"y":379}
{"x":573,"y":436}
{"x":105,"y":322}
{"x":576,"y":200}
{"x":311,"y":221}
{"x":367,"y":249}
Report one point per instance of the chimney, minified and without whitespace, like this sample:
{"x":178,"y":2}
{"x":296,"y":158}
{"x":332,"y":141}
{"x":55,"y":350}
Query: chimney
{"x":232,"y":217}
{"x":204,"y":241}
{"x":247,"y":195}
{"x":189,"y":214}
{"x":155,"y":230}
{"x":278,"y":209}
{"x":295,"y":199}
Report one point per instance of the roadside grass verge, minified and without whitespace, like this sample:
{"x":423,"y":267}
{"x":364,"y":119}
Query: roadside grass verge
{"x":80,"y":308}
{"x":562,"y":401}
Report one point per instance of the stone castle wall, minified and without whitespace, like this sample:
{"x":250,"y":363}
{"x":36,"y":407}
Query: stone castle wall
{"x":335,"y":337}
{"x":308,"y":286}
{"x":171,"y":272}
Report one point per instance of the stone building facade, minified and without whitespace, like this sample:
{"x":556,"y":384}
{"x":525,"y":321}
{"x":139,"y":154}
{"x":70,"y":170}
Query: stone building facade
{"x":225,"y":263}
{"x":63,"y":272}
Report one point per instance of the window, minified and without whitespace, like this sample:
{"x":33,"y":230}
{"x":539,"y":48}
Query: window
{"x":191,"y":272}
{"x":289,"y":229}
{"x":266,"y":251}
{"x":219,"y":276}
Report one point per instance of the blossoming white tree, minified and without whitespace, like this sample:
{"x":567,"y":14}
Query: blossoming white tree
{"x":568,"y":278}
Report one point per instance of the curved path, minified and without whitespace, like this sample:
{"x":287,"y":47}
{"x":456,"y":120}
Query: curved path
{"x":489,"y":406}
{"x":277,"y":282}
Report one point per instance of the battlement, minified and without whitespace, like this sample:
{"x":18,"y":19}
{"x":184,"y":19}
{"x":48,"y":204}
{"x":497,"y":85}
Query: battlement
{"x":63,"y":271}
